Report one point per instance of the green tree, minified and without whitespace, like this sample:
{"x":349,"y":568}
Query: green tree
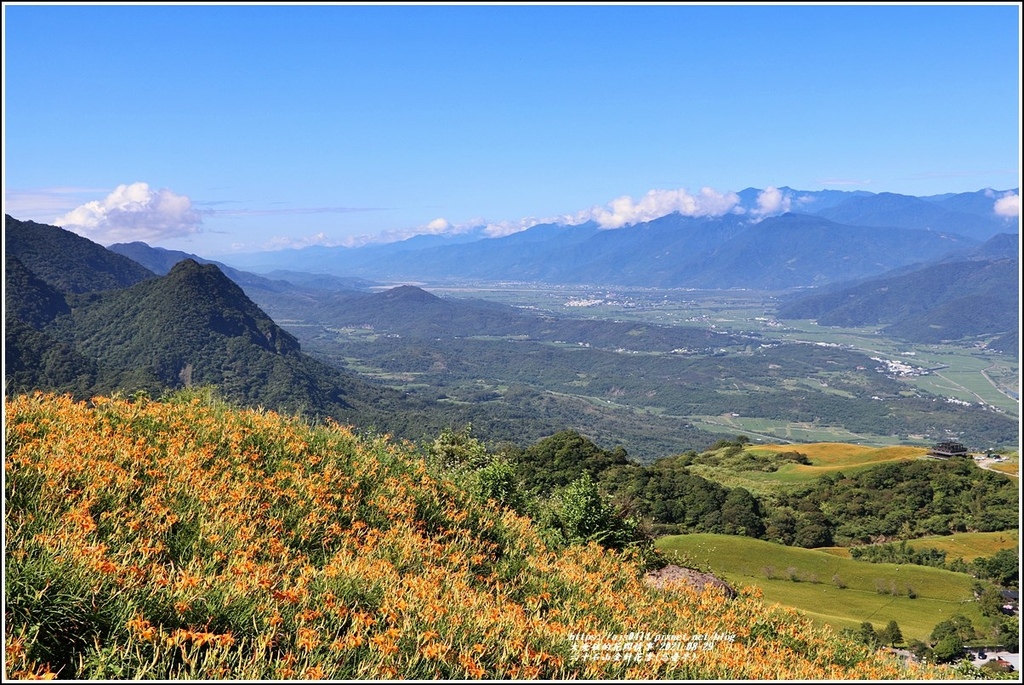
{"x":781,"y":526}
{"x":585,"y":515}
{"x":1009,"y":634}
{"x":867,"y":634}
{"x":1002,"y":567}
{"x":741,"y":514}
{"x":583,"y":511}
{"x":991,"y":602}
{"x":958,"y":625}
{"x":561,"y":458}
{"x":921,"y":650}
{"x":458,"y":449}
{"x":497,"y":481}
{"x":891,"y":634}
{"x":948,"y":649}
{"x":948,"y":637}
{"x":812,"y":530}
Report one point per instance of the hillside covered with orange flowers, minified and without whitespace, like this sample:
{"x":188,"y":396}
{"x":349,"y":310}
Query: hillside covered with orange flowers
{"x":185,"y":538}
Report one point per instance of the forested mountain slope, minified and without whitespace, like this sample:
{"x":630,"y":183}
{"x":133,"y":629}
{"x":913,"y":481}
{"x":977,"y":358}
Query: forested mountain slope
{"x":944,"y":301}
{"x":69,"y":262}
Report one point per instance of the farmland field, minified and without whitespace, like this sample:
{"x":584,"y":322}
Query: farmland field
{"x":760,"y":429}
{"x":776,"y":382}
{"x":1010,"y":468}
{"x":965,"y":373}
{"x":833,"y":457}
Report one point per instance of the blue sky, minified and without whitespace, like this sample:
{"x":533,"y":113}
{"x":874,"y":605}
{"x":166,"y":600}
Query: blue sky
{"x":223,"y":128}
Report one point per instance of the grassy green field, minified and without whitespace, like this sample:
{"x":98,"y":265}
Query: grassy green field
{"x":970,"y":545}
{"x":966,"y":377}
{"x":967,"y":374}
{"x":870,"y":592}
{"x":967,"y":546}
{"x":825,"y":457}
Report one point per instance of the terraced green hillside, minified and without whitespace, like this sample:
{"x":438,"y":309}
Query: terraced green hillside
{"x":833,"y":590}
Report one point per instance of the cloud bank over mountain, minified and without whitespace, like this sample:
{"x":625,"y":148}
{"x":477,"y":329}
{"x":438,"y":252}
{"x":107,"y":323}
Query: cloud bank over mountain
{"x":137,"y":212}
{"x":771,"y":201}
{"x":1008,"y":205}
{"x":624,"y":210}
{"x":134,"y":212}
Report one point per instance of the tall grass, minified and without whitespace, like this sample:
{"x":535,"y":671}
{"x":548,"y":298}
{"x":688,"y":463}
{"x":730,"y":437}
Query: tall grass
{"x":187,"y":539}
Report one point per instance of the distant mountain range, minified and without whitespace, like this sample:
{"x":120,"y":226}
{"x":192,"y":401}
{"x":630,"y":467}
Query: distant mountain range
{"x":97,"y":322}
{"x":87,"y":320}
{"x":952,"y":299}
{"x":960,"y":296}
{"x":826,"y":237}
{"x":413,"y":312}
{"x":160,"y":261}
{"x":911,"y":265}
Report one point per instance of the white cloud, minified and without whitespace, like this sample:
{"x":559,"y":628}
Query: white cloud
{"x":134,"y":212}
{"x":498,"y":229}
{"x":1008,"y":205}
{"x":289,"y":242}
{"x":439,"y":225}
{"x":625,"y":210}
{"x":771,"y":201}
{"x":619,"y":212}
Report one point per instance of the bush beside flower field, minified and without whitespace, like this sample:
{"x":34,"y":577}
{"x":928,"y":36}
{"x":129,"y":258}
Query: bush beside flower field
{"x":185,"y":538}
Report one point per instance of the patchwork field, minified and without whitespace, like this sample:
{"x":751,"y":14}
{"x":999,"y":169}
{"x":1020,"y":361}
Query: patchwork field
{"x":767,"y":429}
{"x":1011,"y":467}
{"x":1012,"y":470}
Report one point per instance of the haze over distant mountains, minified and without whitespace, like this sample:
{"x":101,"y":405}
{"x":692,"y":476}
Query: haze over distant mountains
{"x":826,"y":237}
{"x":924,"y":269}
